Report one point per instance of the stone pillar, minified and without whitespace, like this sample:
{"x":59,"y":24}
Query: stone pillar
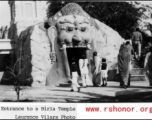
{"x":41,"y":7}
{"x":17,"y":10}
{"x":38,"y":8}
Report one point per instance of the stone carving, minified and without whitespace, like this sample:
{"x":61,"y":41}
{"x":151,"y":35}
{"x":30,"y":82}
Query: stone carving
{"x":71,"y":32}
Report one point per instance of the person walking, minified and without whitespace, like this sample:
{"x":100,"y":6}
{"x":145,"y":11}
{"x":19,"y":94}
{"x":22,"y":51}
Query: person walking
{"x":147,"y":65}
{"x":83,"y":65}
{"x":124,"y":63}
{"x":136,"y":42}
{"x":74,"y":68}
{"x":96,"y":71}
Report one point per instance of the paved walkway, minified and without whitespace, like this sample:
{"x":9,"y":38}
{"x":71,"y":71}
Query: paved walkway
{"x":138,"y":92}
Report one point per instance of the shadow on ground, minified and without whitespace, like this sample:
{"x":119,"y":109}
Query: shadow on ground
{"x":129,"y":96}
{"x":141,"y":94}
{"x":132,"y":94}
{"x":19,"y":101}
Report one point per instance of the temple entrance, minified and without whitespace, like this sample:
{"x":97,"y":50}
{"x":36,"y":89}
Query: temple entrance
{"x":75,"y":53}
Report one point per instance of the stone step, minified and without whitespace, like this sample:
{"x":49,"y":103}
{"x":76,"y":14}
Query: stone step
{"x":137,"y":74}
{"x":133,"y":78}
{"x":137,"y":71}
{"x":138,"y":78}
{"x":67,"y":84}
{"x":64,"y":84}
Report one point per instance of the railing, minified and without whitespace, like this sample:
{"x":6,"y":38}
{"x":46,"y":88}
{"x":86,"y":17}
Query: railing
{"x":7,"y":46}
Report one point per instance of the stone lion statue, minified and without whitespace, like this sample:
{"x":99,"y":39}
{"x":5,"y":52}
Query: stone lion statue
{"x":71,"y":32}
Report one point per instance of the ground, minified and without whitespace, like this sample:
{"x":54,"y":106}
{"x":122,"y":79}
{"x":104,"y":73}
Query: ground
{"x":139,"y":91}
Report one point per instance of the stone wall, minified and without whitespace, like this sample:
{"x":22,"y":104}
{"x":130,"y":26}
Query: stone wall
{"x":34,"y":47}
{"x":40,"y":52}
{"x":109,"y":45}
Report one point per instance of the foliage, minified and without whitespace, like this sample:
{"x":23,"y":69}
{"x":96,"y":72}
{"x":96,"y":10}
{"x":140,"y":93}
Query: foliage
{"x":3,"y":32}
{"x":138,"y":63}
{"x":15,"y":78}
{"x":121,"y":16}
{"x":148,"y":48}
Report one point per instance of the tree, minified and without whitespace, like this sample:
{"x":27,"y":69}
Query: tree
{"x":121,"y":16}
{"x":15,"y":78}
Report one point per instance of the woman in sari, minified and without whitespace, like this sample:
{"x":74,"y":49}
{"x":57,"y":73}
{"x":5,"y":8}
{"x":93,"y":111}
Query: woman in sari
{"x":124,"y":61}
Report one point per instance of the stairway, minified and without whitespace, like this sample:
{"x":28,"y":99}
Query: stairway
{"x":137,"y":74}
